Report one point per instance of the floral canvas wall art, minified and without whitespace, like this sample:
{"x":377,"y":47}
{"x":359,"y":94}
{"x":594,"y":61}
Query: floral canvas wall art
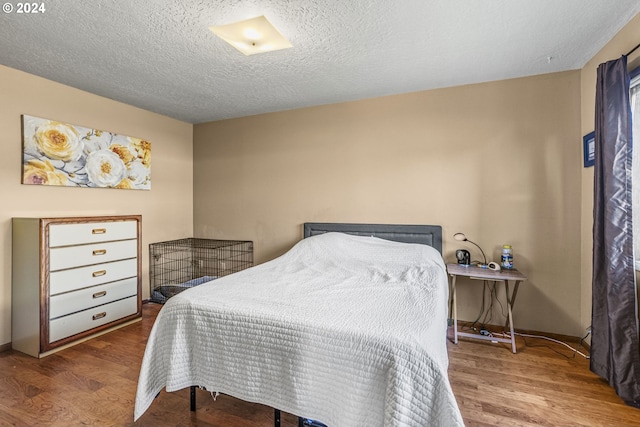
{"x":56,"y":153}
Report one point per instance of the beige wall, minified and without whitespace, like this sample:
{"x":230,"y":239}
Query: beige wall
{"x":499,"y":161}
{"x":167,"y":209}
{"x":622,"y":43}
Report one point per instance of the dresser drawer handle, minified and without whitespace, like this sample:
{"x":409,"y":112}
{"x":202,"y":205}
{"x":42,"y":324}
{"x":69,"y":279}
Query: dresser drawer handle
{"x":99,"y":315}
{"x":100,"y":294}
{"x":99,"y":273}
{"x":99,"y":231}
{"x":100,"y":252}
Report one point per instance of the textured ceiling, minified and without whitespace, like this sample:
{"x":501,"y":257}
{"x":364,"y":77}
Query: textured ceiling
{"x":161,"y":56}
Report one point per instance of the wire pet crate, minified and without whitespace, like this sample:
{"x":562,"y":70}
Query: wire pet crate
{"x":177,"y":265}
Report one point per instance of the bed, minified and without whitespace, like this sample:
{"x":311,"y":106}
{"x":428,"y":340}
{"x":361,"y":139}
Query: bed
{"x":348,"y":327}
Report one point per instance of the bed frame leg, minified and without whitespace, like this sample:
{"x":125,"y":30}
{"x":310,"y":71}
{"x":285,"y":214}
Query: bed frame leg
{"x":276,"y":418}
{"x":192,"y":398}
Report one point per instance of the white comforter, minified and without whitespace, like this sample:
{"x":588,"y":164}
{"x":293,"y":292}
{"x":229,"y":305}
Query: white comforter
{"x":347,"y":330}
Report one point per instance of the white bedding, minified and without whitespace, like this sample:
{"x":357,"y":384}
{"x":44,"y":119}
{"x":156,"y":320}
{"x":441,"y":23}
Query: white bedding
{"x":347,"y":330}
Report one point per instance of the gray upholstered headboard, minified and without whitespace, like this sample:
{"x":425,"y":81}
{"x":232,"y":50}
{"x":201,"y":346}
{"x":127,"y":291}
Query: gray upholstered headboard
{"x":430,"y":235}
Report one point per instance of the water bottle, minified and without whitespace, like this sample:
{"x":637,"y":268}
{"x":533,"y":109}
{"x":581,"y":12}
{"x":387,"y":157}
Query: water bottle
{"x":507,"y":257}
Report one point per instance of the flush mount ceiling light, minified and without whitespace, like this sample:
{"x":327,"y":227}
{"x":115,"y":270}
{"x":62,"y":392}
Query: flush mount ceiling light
{"x":255,"y":35}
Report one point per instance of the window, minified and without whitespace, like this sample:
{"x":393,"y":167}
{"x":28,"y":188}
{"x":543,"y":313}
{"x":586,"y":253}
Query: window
{"x":635,"y":135}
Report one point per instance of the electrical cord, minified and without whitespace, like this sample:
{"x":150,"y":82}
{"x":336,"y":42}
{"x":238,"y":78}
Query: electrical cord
{"x":498,"y":300}
{"x":488,"y":317}
{"x":575,"y":350}
{"x":482,"y":308}
{"x":487,"y":311}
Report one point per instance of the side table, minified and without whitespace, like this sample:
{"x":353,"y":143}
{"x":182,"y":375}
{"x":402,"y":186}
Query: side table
{"x":478,"y":273}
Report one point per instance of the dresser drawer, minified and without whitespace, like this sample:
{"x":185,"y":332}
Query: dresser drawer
{"x":84,"y":277}
{"x":72,"y":324}
{"x":94,"y":232}
{"x":71,"y":302}
{"x":77,"y":256}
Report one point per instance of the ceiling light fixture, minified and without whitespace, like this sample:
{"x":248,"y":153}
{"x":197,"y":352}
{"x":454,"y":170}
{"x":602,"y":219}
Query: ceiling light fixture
{"x":255,"y":35}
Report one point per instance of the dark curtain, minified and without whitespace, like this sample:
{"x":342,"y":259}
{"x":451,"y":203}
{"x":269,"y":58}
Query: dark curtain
{"x":615,"y":354}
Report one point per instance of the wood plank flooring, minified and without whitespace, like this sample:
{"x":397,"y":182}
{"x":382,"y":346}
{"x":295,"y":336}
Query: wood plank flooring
{"x":94,"y":383}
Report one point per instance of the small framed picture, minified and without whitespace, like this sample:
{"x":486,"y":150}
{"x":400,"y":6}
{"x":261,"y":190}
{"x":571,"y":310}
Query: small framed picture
{"x":589,"y":149}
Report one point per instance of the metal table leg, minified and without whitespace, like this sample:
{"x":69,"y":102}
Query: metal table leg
{"x":510,"y":317}
{"x":510,"y":302}
{"x":455,"y":309}
{"x":276,"y":418}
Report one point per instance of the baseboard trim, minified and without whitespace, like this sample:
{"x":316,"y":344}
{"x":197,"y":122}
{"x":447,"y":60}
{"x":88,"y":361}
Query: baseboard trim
{"x":560,"y":337}
{"x":5,"y":347}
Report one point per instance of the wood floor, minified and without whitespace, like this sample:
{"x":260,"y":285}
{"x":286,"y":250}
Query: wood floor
{"x":94,"y":384}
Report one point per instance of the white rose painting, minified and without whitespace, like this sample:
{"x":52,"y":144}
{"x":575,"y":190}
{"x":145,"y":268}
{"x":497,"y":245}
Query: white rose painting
{"x":58,"y":153}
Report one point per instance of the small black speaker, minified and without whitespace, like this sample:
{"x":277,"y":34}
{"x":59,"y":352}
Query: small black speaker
{"x":463,"y":256}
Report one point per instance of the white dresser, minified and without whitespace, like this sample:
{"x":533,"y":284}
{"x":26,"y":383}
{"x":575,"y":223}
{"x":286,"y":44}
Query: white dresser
{"x":73,"y":278}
